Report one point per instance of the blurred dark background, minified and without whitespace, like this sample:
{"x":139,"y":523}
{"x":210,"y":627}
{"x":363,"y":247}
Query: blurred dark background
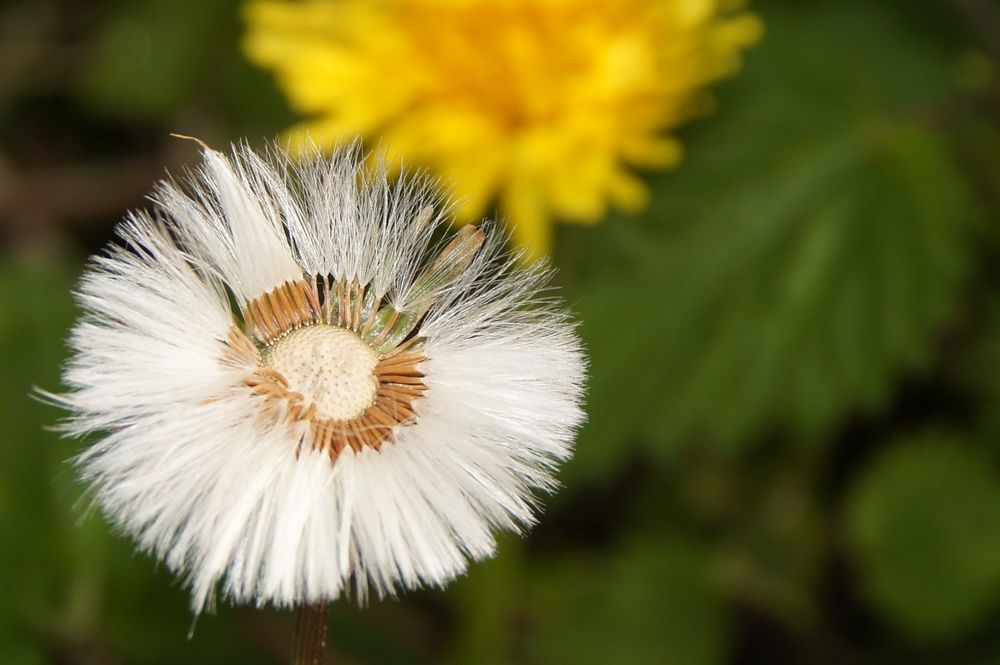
{"x":792,"y":454}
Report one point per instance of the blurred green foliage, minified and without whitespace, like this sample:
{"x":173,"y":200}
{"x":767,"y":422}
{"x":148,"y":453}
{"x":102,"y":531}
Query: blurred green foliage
{"x":804,"y":255}
{"x":922,"y":519}
{"x":653,"y":602}
{"x":792,"y":448}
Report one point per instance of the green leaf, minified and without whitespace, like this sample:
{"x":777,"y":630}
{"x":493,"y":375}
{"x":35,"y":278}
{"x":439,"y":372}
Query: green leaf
{"x":922,"y":522}
{"x":801,"y":259}
{"x":35,"y":310}
{"x":486,"y":603}
{"x":651,"y":603}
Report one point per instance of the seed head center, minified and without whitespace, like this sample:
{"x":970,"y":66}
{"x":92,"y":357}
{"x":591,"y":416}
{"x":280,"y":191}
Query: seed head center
{"x":332,"y":368}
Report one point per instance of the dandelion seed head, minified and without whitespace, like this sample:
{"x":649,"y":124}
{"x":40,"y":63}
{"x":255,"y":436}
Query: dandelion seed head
{"x":302,"y":393}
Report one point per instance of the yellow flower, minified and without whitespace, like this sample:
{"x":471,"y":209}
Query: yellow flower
{"x":543,"y":106}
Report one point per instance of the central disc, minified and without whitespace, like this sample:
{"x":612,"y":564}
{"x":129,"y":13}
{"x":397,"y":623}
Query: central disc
{"x":332,"y":368}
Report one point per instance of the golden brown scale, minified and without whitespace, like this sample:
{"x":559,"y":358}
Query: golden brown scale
{"x":294,"y":305}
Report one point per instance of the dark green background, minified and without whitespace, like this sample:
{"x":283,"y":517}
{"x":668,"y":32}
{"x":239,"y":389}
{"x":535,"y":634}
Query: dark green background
{"x":792,"y":454}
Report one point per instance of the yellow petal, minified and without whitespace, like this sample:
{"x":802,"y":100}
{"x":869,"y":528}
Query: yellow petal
{"x":525,"y":213}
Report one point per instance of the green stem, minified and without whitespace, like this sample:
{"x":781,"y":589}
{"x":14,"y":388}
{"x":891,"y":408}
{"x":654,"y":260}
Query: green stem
{"x":310,"y":635}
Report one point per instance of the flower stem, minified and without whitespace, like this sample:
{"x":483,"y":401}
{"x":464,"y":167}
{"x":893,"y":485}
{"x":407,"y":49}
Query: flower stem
{"x":310,"y":635}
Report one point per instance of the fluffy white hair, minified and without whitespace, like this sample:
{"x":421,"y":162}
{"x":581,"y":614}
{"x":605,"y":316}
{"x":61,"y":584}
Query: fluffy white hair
{"x":189,"y":467}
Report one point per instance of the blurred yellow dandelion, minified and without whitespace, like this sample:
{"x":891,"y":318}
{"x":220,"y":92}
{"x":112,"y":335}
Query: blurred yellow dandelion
{"x":543,"y":106}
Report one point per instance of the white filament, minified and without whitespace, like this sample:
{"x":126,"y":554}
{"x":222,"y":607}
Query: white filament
{"x":218,"y":488}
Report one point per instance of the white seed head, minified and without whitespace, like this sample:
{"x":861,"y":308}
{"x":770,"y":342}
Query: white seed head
{"x":232,"y":445}
{"x":332,"y":368}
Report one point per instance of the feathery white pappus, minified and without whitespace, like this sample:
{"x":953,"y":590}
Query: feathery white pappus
{"x":304,"y":393}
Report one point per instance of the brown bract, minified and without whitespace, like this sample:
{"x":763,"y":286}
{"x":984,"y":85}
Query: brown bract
{"x":346,"y":306}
